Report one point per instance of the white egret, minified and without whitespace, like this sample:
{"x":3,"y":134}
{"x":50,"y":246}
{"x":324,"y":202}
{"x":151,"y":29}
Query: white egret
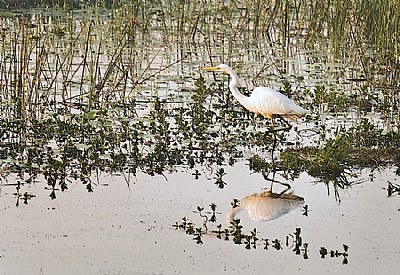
{"x":264,"y":101}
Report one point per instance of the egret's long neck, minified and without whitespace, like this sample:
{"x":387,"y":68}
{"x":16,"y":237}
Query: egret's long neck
{"x":233,"y":87}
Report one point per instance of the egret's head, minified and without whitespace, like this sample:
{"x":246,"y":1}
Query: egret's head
{"x":220,"y":68}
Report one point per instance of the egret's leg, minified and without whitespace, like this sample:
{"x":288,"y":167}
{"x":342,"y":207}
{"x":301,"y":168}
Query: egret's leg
{"x":274,"y":143}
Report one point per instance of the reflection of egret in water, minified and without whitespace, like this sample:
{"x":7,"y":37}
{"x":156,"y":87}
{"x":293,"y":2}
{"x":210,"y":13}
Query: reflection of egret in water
{"x":266,"y":206}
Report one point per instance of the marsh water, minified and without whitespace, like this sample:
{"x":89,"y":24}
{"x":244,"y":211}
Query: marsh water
{"x":119,"y":156}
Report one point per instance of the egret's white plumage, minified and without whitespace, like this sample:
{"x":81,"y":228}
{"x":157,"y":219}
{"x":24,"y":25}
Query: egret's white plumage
{"x":263,"y":100}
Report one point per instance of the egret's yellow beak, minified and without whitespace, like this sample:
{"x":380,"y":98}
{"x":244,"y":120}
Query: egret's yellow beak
{"x":209,"y":69}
